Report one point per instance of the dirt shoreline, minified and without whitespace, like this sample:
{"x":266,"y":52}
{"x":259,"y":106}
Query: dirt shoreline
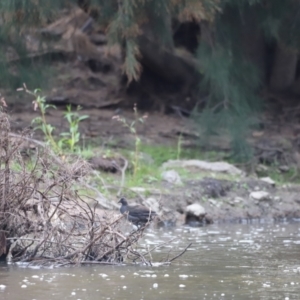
{"x":225,"y":201}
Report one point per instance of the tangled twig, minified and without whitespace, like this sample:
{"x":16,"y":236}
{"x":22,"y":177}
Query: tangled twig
{"x":43,"y":218}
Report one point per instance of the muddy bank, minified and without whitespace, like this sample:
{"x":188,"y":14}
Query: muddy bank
{"x":209,"y":200}
{"x":223,"y":197}
{"x":246,"y":199}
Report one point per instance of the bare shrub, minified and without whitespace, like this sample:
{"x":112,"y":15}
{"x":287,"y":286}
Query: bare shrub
{"x":42,"y":215}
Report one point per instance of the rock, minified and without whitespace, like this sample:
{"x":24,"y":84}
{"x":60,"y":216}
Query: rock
{"x":195,"y":209}
{"x":214,"y":202}
{"x":237,"y":200}
{"x":106,"y":164}
{"x":137,"y":189}
{"x":208,"y":219}
{"x":215,"y":188}
{"x":153,"y":204}
{"x":223,"y":167}
{"x":261,"y":168}
{"x":277,"y":198}
{"x":260,"y":195}
{"x":171,"y":176}
{"x":268,"y":180}
{"x":195,"y":215}
{"x":283,"y":169}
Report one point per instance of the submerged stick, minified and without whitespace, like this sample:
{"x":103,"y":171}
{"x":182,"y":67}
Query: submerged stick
{"x":180,"y":254}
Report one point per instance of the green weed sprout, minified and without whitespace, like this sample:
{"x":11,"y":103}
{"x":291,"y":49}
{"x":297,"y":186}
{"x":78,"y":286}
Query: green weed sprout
{"x":71,"y":139}
{"x":179,"y":147}
{"x":41,"y":122}
{"x":132,"y":128}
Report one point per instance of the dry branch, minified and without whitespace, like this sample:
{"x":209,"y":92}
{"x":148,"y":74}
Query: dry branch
{"x":44,"y":220}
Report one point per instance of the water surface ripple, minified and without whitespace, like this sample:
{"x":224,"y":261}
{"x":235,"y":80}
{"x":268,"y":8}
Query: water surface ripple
{"x":244,"y":261}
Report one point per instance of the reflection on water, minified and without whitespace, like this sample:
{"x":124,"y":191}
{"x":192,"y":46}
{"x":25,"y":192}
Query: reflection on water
{"x":224,"y":262}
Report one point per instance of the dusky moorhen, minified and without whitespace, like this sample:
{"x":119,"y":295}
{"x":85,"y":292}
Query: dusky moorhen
{"x":138,"y":215}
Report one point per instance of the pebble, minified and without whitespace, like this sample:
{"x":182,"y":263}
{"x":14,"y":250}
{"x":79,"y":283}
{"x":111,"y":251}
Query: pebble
{"x":171,"y":176}
{"x":181,"y":285}
{"x":23,"y":286}
{"x":154,"y":275}
{"x":124,"y":287}
{"x":184,"y":276}
{"x":166,"y":275}
{"x":155,"y":285}
{"x":122,"y":276}
{"x":268,"y":180}
{"x":260,"y":195}
{"x":2,"y":286}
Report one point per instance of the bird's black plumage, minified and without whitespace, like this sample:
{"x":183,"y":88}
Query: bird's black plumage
{"x":138,"y":215}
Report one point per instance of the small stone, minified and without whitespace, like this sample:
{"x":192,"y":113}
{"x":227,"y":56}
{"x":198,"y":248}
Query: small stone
{"x":182,"y":285}
{"x":261,"y":168}
{"x":171,"y":176}
{"x":195,"y":209}
{"x":283,"y":169}
{"x":155,"y":285}
{"x":166,"y":275}
{"x":152,"y":203}
{"x":268,"y":180}
{"x":218,"y":166}
{"x":124,"y":287}
{"x":214,"y":202}
{"x":277,"y":199}
{"x":237,"y":200}
{"x":137,"y":189}
{"x":260,"y":195}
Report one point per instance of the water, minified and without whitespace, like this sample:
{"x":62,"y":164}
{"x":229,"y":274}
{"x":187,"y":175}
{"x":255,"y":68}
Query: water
{"x":224,"y":262}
